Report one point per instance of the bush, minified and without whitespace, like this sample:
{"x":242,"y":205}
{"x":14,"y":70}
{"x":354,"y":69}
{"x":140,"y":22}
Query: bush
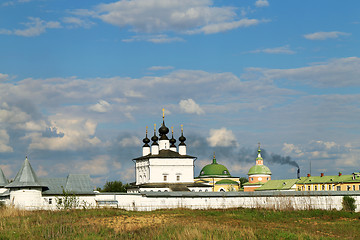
{"x":348,"y":204}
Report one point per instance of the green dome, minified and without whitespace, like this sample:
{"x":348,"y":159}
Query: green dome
{"x":259,"y":169}
{"x":214,"y":170}
{"x":227,"y":182}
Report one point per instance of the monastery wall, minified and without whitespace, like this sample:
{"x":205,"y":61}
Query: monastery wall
{"x":216,"y":200}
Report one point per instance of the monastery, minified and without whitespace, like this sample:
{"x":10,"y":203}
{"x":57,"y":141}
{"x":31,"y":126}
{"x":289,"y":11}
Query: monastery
{"x":164,"y":178}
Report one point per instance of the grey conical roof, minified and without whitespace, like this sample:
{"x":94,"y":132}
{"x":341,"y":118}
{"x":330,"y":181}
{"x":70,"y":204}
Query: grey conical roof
{"x":26,"y":177}
{"x":3,"y":180}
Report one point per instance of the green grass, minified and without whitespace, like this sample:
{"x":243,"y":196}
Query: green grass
{"x":179,"y":224}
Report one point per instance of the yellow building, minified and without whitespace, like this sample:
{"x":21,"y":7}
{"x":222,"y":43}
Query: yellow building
{"x":219,"y":177}
{"x":329,"y":183}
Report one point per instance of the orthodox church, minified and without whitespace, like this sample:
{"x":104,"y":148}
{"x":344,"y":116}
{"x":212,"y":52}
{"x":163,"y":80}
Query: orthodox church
{"x":164,"y":167}
{"x":258,"y":174}
{"x":218,"y":177}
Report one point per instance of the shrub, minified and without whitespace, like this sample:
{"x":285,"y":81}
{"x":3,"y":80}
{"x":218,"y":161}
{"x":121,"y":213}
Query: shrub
{"x":348,"y":204}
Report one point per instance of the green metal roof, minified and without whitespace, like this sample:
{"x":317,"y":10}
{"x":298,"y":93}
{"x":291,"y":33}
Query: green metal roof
{"x":259,"y":169}
{"x":3,"y":180}
{"x":26,"y":177}
{"x":253,"y":184}
{"x":330,"y":179}
{"x":73,"y":184}
{"x":214,"y":170}
{"x":227,"y":182}
{"x":283,"y":184}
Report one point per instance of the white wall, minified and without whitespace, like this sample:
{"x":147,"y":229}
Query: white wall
{"x":171,"y":168}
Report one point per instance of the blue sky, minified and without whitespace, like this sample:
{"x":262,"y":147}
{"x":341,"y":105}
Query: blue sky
{"x":80,"y":81}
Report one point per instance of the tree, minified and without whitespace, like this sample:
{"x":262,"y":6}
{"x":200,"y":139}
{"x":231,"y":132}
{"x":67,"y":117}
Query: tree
{"x":242,"y":181}
{"x":349,"y":204}
{"x":115,"y":186}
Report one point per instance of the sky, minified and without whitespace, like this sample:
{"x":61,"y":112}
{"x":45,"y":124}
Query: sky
{"x":81,"y":80}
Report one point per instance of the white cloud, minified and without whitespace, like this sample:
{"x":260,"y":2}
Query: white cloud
{"x":96,"y":166}
{"x":159,"y":68}
{"x":183,"y":16}
{"x":261,"y":3}
{"x":35,"y":27}
{"x":278,"y":50}
{"x":3,"y":77}
{"x":225,"y":26}
{"x":340,"y":72}
{"x":130,"y":141}
{"x":76,"y":22}
{"x":325,"y":35}
{"x":72,"y":134}
{"x":102,"y":106}
{"x":291,"y":149}
{"x":160,"y":38}
{"x":190,"y":106}
{"x":221,"y":138}
{"x":4,"y":142}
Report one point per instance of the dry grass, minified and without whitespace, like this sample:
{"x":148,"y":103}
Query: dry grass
{"x":179,"y":224}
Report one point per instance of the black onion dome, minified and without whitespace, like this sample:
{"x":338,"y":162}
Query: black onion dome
{"x":172,"y":141}
{"x":146,"y":141}
{"x":154,"y":139}
{"x":163,"y":129}
{"x":182,"y":139}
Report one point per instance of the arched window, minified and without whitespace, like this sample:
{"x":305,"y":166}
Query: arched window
{"x":222,"y":190}
{"x":225,"y":172}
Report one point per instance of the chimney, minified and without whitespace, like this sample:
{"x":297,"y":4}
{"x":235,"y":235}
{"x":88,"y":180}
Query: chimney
{"x":322,"y":174}
{"x":298,"y":173}
{"x":308,"y":175}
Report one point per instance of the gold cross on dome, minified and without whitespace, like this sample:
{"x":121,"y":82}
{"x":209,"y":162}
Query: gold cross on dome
{"x":163,"y":113}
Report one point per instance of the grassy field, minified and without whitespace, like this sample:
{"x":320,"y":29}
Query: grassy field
{"x":178,"y":224}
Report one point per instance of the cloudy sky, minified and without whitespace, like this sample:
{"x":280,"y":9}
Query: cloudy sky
{"x":81,"y":80}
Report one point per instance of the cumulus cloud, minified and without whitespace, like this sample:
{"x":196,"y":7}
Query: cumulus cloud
{"x":278,"y":50}
{"x":190,"y":106}
{"x":76,"y":22}
{"x":261,"y":3}
{"x":130,"y":141}
{"x":325,"y":35}
{"x":159,"y":68}
{"x":159,"y":38}
{"x":221,"y":138}
{"x":4,"y":142}
{"x":34,"y":27}
{"x":3,"y":77}
{"x":98,"y":165}
{"x":102,"y":106}
{"x":157,"y":16}
{"x":291,"y":149}
{"x":342,"y":72}
{"x":72,"y":134}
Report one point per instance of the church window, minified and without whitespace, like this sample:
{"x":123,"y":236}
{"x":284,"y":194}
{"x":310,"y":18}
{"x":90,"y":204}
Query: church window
{"x":353,"y":187}
{"x":267,"y":178}
{"x":202,"y":172}
{"x":206,"y":190}
{"x":165,"y":178}
{"x":323,"y":187}
{"x":50,"y":200}
{"x":315,"y":188}
{"x":177,"y":178}
{"x":222,"y":190}
{"x":200,"y":190}
{"x":359,"y":187}
{"x":308,"y":188}
{"x":225,"y":172}
{"x":252,"y":179}
{"x":338,"y":188}
{"x":348,"y":188}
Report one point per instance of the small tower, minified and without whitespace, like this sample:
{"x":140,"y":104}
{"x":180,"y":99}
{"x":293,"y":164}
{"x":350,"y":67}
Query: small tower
{"x":163,"y":130}
{"x":258,"y":174}
{"x":26,"y":189}
{"x":182,"y":145}
{"x":146,"y":147}
{"x":154,"y":145}
{"x":172,"y":140}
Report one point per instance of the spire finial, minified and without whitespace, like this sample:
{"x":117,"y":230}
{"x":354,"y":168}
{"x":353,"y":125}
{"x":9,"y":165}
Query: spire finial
{"x":163,"y":110}
{"x":214,"y":159}
{"x":154,"y":128}
{"x":146,"y":130}
{"x":182,"y":128}
{"x":172,"y":130}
